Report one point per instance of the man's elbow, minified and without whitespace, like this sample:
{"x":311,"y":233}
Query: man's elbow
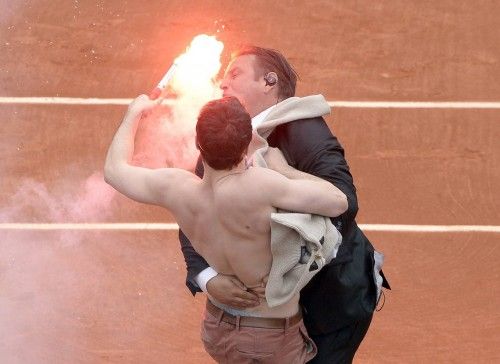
{"x":336,"y":204}
{"x":109,"y":174}
{"x":107,"y":179}
{"x":340,"y":206}
{"x":344,"y":204}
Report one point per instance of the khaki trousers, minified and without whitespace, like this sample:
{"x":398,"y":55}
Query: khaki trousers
{"x":229,"y":344}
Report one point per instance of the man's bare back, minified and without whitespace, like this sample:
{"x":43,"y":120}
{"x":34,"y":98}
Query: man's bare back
{"x":228,"y":222}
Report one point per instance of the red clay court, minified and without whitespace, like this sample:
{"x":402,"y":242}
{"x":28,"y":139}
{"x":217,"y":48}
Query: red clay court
{"x":425,"y":159}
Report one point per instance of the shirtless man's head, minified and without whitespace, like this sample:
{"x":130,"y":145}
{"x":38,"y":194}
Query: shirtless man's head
{"x":223,"y":132}
{"x":259,"y":78}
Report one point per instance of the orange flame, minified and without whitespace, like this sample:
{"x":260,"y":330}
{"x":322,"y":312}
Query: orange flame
{"x":167,"y":139}
{"x":199,"y":64}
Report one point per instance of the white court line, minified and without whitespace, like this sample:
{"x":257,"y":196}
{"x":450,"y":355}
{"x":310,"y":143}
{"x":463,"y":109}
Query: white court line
{"x":340,"y":104}
{"x":89,"y":226}
{"x":67,"y":101}
{"x":173,"y":226}
{"x":416,"y":104}
{"x":431,"y":228}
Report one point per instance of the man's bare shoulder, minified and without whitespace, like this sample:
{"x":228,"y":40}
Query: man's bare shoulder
{"x":178,"y":173}
{"x":266,"y":178}
{"x":262,"y":173}
{"x":173,"y":181}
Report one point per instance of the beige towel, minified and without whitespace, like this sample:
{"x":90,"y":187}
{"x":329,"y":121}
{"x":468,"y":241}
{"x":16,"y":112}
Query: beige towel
{"x":301,"y":244}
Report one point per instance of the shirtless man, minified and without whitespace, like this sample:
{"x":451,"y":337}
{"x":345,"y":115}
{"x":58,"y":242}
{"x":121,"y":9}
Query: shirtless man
{"x":226,"y":216}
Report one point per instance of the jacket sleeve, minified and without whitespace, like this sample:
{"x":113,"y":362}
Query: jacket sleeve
{"x":194,"y":261}
{"x":310,"y":146}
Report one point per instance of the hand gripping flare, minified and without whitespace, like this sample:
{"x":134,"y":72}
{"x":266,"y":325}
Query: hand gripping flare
{"x":157,"y":91}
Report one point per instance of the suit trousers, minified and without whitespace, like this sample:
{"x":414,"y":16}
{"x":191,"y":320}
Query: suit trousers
{"x":339,"y":347}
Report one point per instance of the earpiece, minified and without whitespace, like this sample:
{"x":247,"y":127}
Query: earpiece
{"x":271,"y":78}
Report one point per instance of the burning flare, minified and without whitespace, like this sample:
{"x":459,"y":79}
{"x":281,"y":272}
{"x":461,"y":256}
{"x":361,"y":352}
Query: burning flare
{"x":200,"y":63}
{"x":167,"y":137}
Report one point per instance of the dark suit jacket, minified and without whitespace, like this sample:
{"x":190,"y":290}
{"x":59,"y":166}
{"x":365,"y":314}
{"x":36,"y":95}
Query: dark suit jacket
{"x":344,"y":291}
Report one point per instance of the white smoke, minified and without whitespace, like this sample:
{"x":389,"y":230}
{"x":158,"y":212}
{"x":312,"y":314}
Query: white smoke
{"x":164,"y":139}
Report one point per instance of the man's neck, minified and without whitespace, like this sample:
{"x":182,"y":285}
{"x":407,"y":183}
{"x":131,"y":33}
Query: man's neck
{"x":264,"y":106}
{"x":212,"y":175}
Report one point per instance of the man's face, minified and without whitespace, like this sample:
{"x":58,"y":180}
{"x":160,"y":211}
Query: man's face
{"x":241,"y":82}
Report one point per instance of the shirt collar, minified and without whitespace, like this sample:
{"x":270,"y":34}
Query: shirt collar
{"x":259,"y":118}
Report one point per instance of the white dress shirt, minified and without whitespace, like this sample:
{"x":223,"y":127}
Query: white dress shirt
{"x":208,"y":273}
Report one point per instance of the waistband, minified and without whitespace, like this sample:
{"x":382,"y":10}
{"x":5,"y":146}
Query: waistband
{"x":250,"y":321}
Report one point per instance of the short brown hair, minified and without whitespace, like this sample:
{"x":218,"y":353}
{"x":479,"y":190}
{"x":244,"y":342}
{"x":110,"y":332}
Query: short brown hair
{"x":223,"y":132}
{"x":270,"y":60}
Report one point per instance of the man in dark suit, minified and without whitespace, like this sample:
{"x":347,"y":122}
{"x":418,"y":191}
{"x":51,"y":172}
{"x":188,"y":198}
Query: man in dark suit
{"x":338,"y":303}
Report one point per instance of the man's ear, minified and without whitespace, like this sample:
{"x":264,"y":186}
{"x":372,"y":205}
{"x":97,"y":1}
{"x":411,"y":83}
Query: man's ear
{"x":271,"y":78}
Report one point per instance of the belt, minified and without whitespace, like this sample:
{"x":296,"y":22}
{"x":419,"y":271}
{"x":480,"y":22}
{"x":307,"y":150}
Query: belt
{"x":249,"y":321}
